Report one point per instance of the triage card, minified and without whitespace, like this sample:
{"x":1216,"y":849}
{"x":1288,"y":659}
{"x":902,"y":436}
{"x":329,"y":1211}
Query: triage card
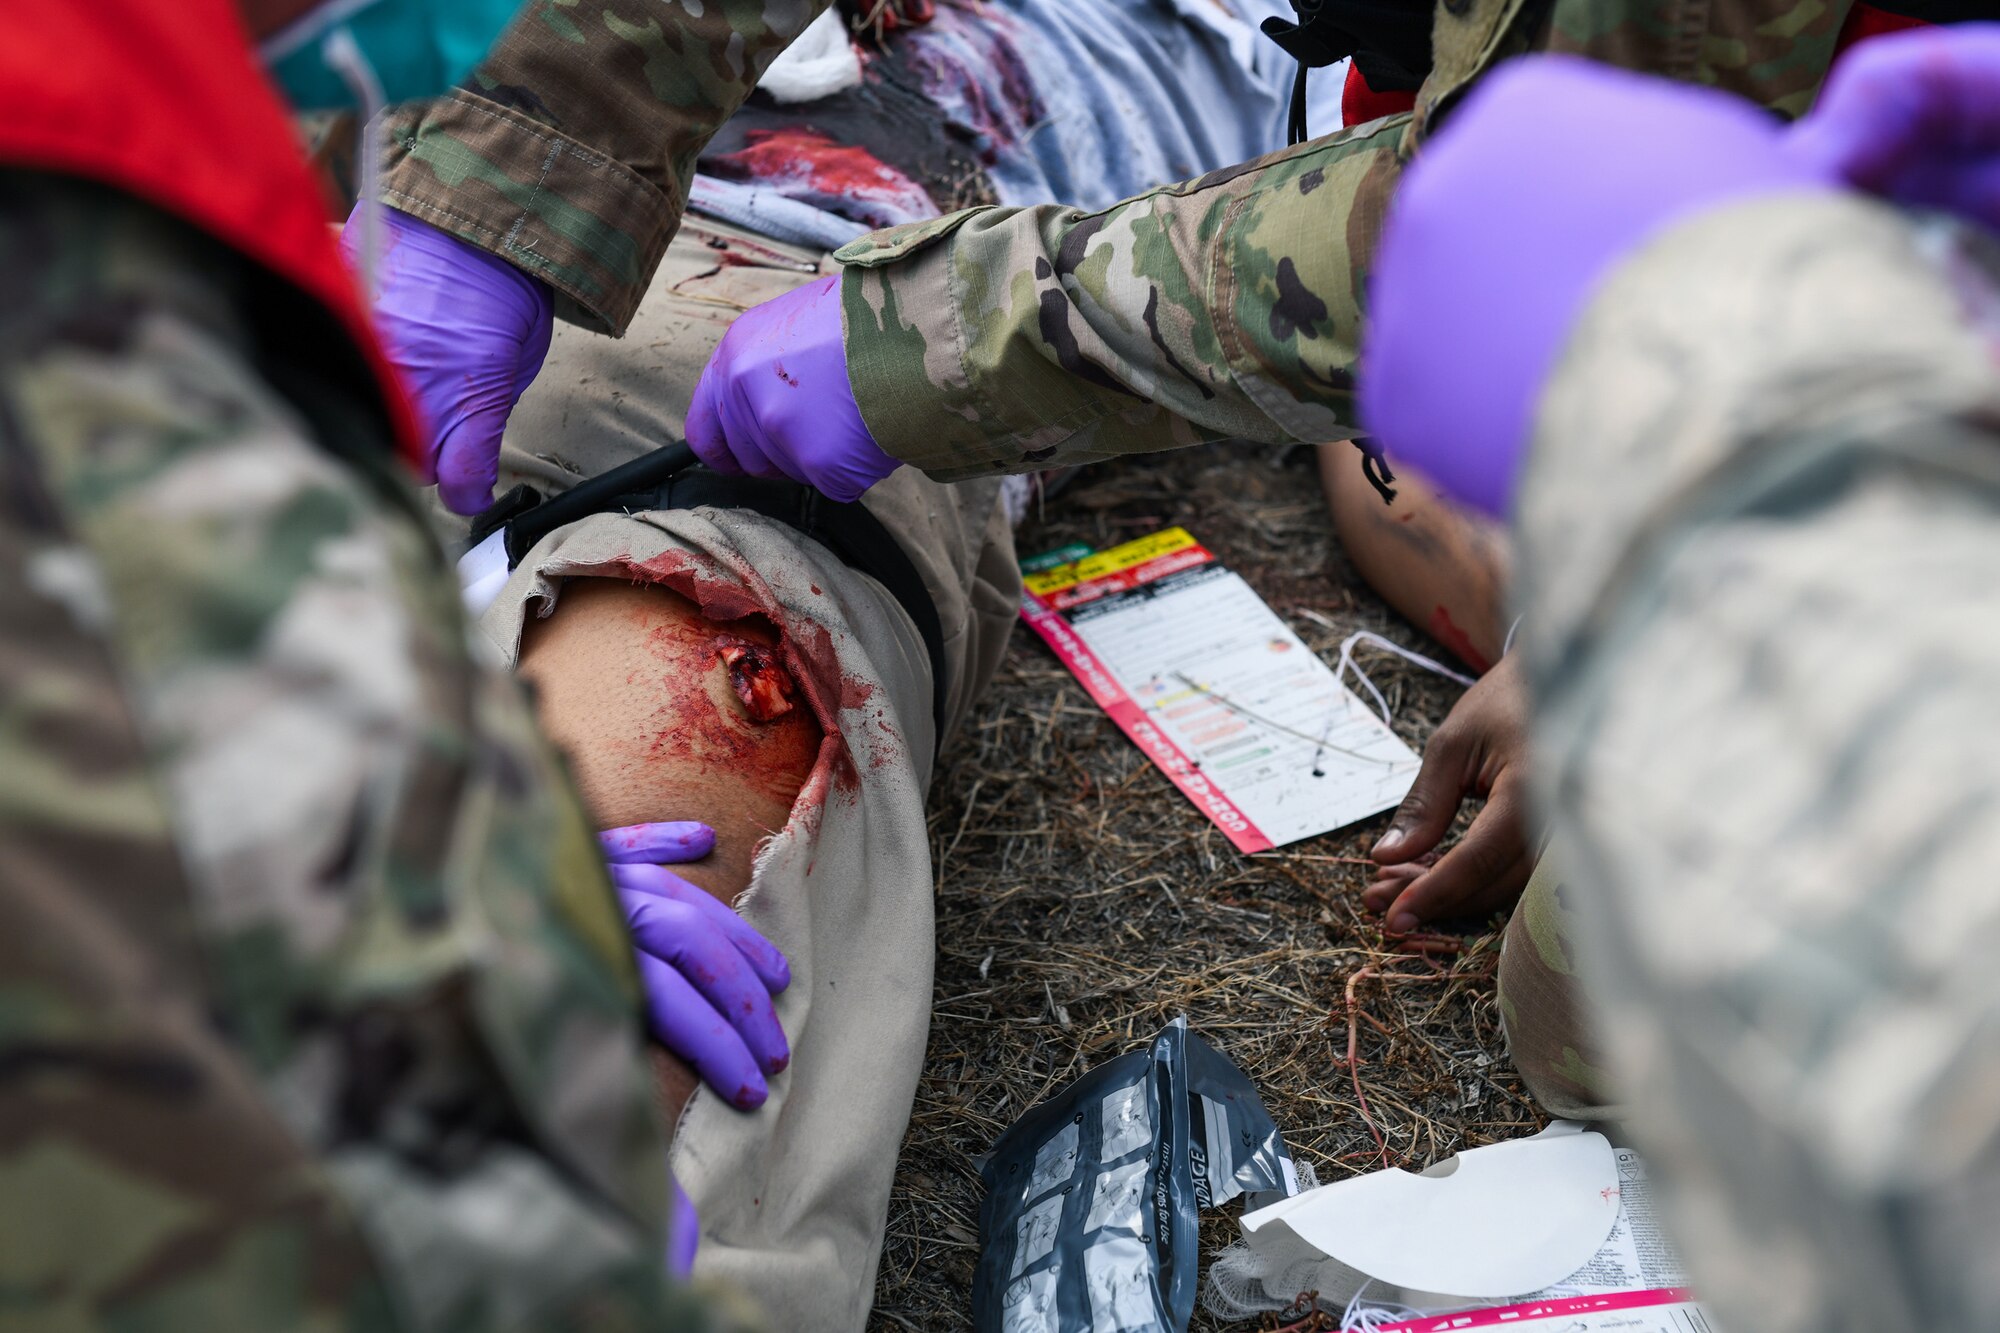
{"x":1216,"y":690}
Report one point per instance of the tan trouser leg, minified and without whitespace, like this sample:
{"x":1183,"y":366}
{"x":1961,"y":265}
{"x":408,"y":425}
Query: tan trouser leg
{"x":1542,"y":1005}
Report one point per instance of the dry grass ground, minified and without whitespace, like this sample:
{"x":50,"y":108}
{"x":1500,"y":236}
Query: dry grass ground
{"x":1082,"y":903}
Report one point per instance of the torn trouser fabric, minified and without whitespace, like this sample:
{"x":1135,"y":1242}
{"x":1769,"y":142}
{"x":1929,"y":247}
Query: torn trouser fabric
{"x":793,"y":1197}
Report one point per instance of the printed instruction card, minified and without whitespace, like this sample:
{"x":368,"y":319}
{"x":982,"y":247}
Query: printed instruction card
{"x":1636,"y":1256}
{"x":1215,"y":689}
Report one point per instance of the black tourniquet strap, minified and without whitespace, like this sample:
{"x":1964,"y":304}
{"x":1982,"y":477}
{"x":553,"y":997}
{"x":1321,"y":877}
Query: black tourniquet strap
{"x":1390,"y":41}
{"x":665,"y":479}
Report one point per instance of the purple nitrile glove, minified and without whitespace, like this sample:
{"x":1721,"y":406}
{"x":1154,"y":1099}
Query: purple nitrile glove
{"x":683,"y":1235}
{"x":1913,"y":117}
{"x":468,"y":331}
{"x":1499,"y":232}
{"x":709,"y":976}
{"x":774,"y":400}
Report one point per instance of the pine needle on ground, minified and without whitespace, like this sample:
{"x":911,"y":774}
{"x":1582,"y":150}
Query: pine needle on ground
{"x":1082,"y":903}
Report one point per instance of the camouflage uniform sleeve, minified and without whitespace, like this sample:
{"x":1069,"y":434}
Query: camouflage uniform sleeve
{"x":1758,"y":544}
{"x":1002,"y":339}
{"x":319,"y":1010}
{"x":570,"y":150}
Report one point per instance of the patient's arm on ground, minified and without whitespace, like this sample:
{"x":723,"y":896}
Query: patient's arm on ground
{"x":630,"y":683}
{"x":1444,"y":568}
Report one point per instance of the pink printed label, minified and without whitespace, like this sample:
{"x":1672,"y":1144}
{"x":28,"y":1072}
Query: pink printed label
{"x":1567,"y":1307}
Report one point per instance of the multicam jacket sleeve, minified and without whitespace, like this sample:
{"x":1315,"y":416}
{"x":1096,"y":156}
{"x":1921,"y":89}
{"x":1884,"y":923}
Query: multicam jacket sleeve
{"x":569,"y":152}
{"x":1000,"y":339}
{"x":1758,"y":543}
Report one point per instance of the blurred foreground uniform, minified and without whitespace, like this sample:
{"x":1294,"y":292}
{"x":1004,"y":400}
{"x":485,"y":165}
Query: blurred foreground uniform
{"x":1759,"y":533}
{"x":1758,"y":406}
{"x":318,"y":1011}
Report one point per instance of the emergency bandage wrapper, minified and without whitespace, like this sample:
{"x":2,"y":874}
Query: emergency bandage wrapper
{"x":1094,"y":1198}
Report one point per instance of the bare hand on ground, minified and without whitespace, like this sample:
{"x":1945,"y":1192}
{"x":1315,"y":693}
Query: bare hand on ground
{"x":1480,"y":750}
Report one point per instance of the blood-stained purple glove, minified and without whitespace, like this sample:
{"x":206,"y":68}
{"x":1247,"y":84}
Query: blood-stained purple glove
{"x":469,"y":332}
{"x":1915,"y":118}
{"x":709,"y":975}
{"x":774,"y":400}
{"x":1498,"y":233}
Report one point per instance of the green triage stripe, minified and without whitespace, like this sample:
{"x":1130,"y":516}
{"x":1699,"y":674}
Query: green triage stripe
{"x":1062,"y":555}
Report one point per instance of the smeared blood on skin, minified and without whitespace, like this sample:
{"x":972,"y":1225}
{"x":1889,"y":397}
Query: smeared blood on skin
{"x":689,"y":725}
{"x":1445,"y":631}
{"x":804,"y":647}
{"x":726,"y":588}
{"x":758,"y":677}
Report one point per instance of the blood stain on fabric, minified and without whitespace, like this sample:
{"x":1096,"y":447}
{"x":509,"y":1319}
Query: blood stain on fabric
{"x":807,"y":165}
{"x":889,"y":122}
{"x":980,"y":74}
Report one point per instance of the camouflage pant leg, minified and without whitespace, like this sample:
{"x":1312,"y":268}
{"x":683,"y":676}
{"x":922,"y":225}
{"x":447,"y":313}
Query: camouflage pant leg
{"x":1542,"y":1005}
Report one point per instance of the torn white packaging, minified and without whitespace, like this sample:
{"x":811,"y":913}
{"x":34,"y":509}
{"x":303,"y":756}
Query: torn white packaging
{"x":1560,"y":1213}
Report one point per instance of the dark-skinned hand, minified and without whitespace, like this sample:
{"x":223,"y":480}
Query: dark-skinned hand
{"x":1480,"y":750}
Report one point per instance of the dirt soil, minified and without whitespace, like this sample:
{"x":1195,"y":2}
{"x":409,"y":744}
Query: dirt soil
{"x":1083,"y":903}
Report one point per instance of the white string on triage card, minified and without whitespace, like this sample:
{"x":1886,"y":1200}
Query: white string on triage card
{"x":1274,"y":725}
{"x":1347,"y":664}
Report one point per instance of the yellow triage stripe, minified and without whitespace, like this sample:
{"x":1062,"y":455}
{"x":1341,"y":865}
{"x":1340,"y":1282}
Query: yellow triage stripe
{"x":1110,"y":561}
